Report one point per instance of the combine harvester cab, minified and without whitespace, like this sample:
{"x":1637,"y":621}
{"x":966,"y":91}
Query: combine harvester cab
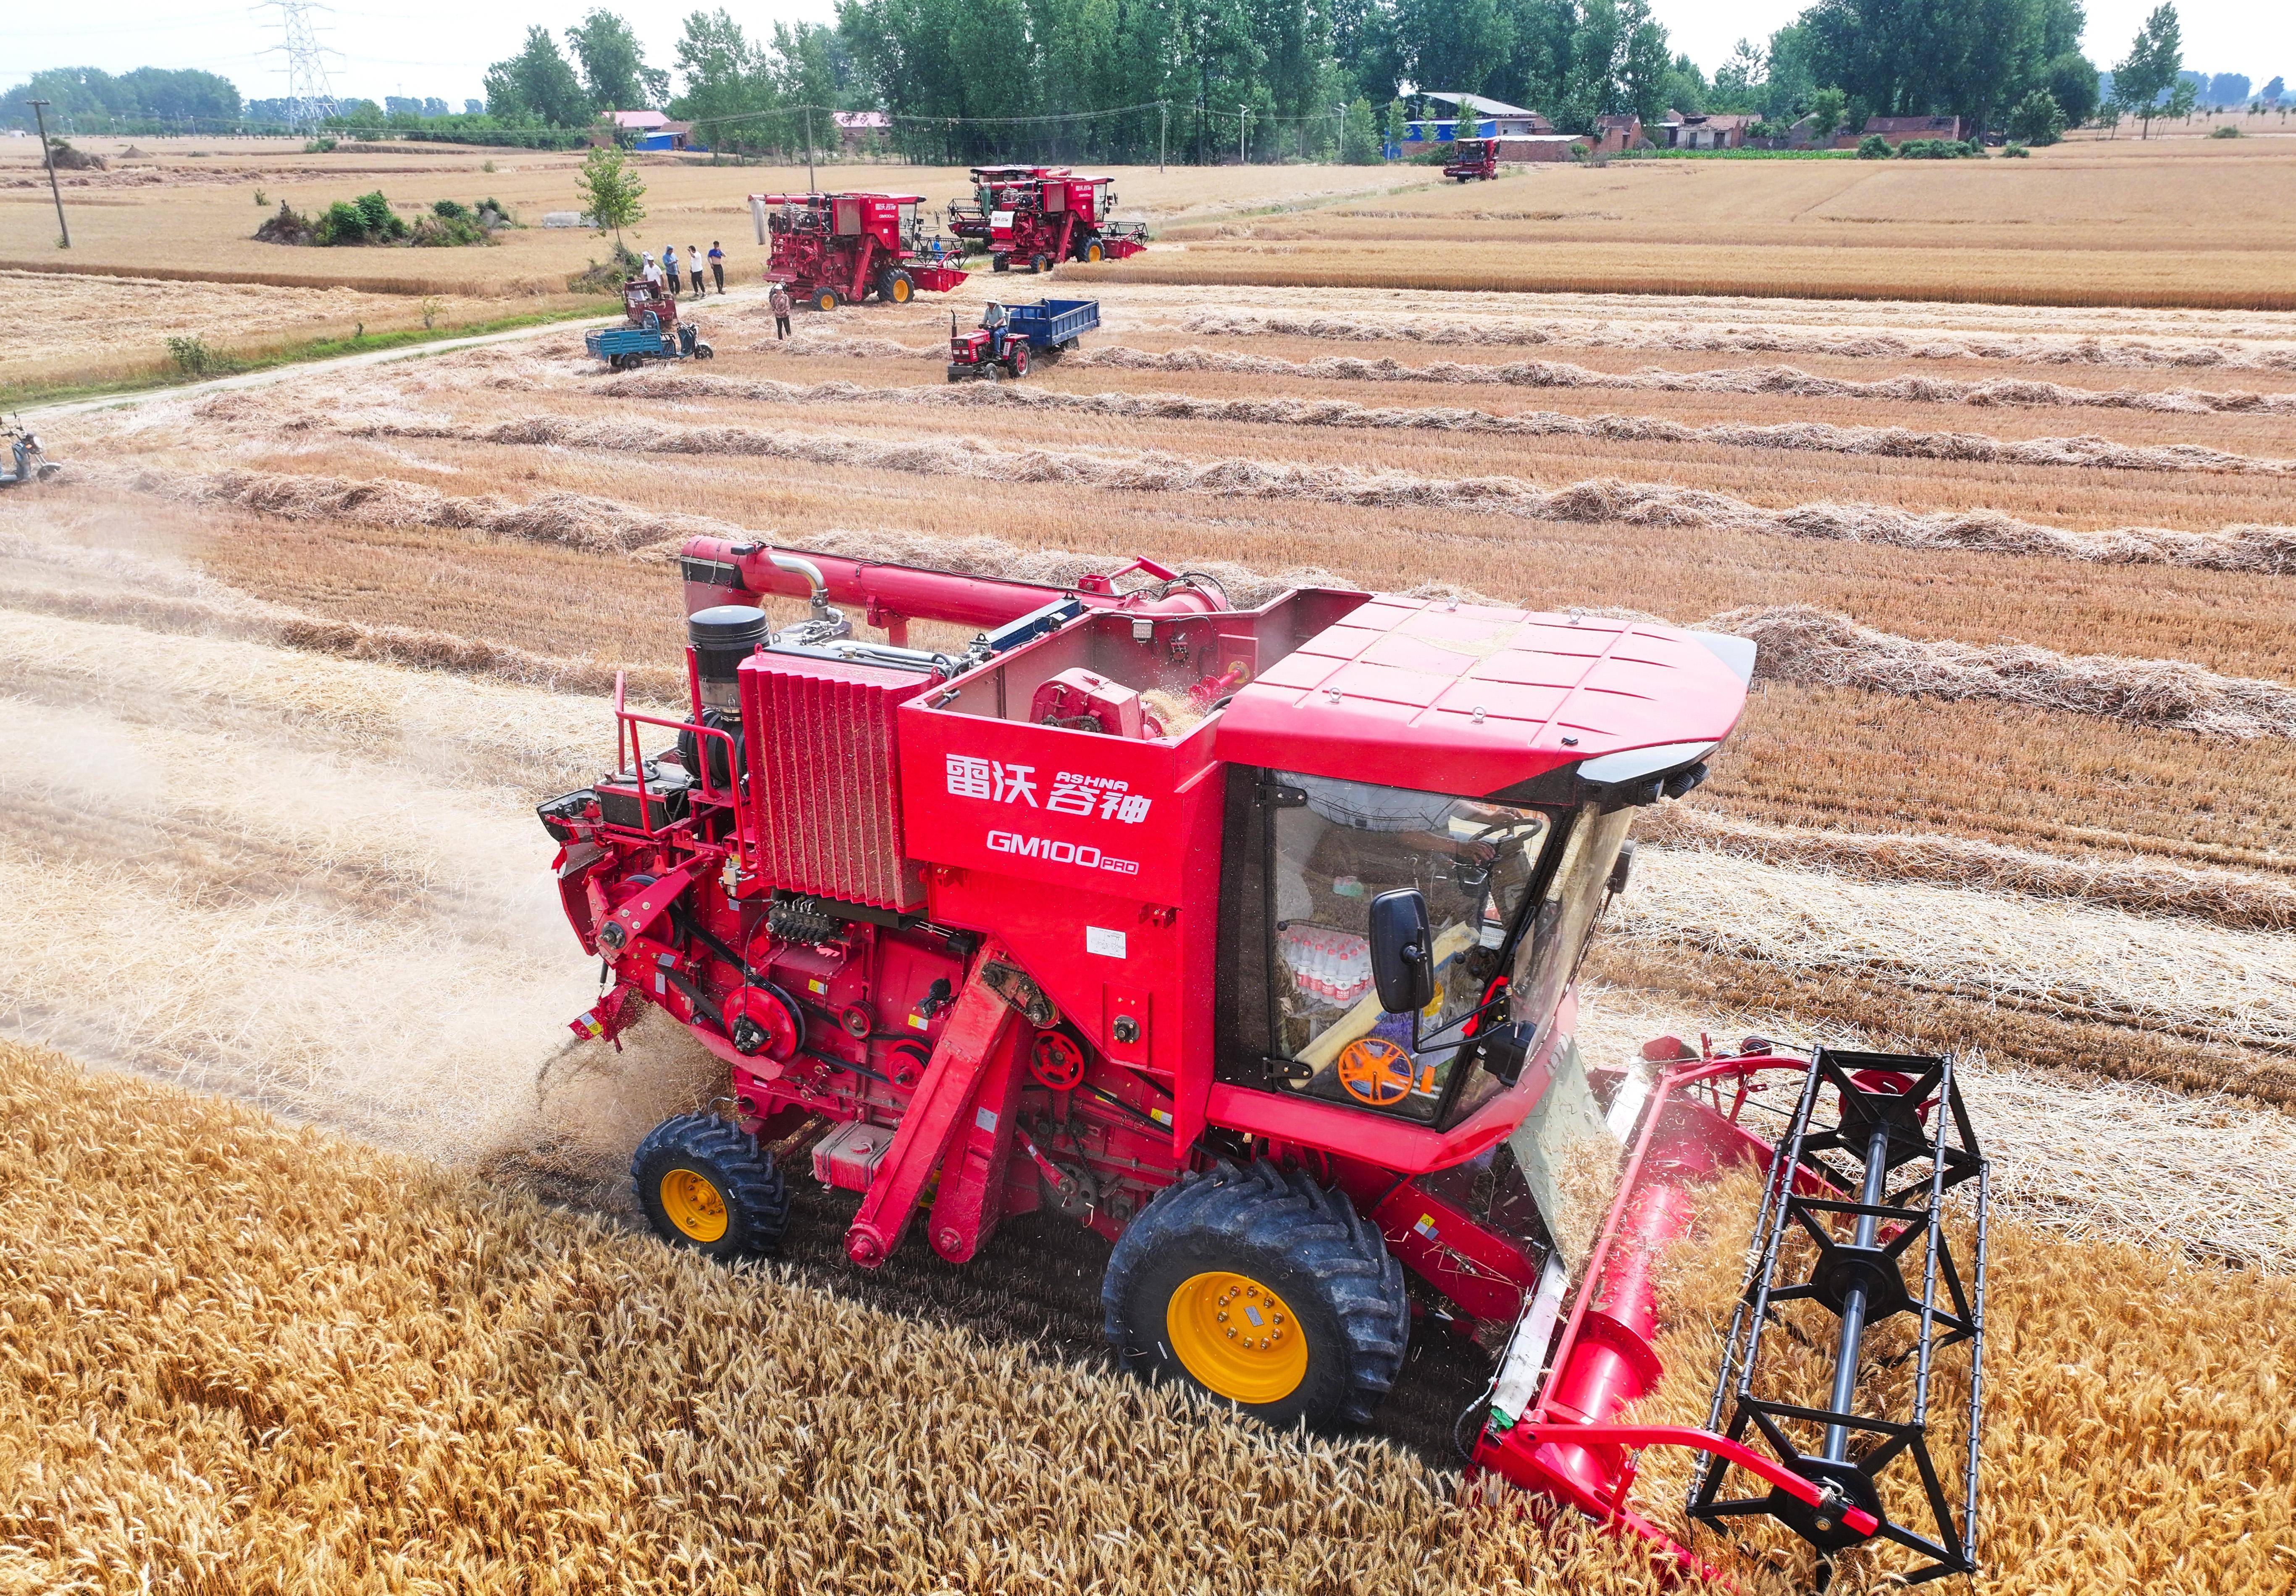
{"x":834,"y":250}
{"x":1249,"y":939}
{"x":1039,"y":221}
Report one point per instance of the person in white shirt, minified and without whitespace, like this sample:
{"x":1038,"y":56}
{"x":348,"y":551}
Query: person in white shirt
{"x":653,"y":272}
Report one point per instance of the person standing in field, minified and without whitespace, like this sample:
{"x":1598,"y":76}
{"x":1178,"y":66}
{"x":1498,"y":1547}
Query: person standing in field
{"x":670,"y":267}
{"x":780,"y":301}
{"x":652,"y":273}
{"x":717,"y":266}
{"x":694,"y":270}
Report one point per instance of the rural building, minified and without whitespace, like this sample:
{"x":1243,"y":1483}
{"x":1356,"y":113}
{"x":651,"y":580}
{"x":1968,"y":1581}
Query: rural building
{"x":1479,"y":119}
{"x":1613,"y":135}
{"x":652,"y":130}
{"x":1897,"y":130}
{"x":860,"y":130}
{"x":1708,"y":133}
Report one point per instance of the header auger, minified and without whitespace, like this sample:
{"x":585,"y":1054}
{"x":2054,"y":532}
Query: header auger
{"x":1248,"y":939}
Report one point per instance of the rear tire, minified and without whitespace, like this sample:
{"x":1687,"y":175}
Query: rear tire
{"x":1017,"y":362}
{"x":707,"y":1185}
{"x":1252,"y":1245}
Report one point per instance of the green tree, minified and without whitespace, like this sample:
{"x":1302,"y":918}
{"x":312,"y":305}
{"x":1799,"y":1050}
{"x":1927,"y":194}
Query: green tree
{"x":1359,"y":135}
{"x":1685,"y":89}
{"x":614,"y":73}
{"x":1643,"y":67}
{"x":2038,"y":120}
{"x":1828,"y":107}
{"x":2154,"y":68}
{"x":2071,"y":80}
{"x":1738,"y":81}
{"x":1454,"y":46}
{"x":536,"y":85}
{"x":611,"y":191}
{"x":1395,"y":125}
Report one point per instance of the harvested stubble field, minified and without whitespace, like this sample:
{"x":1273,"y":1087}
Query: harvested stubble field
{"x":2015,"y":780}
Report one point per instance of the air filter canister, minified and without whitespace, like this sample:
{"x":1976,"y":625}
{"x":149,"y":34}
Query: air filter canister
{"x":723,"y":637}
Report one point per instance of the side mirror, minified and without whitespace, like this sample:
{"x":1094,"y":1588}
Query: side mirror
{"x":1402,"y":955}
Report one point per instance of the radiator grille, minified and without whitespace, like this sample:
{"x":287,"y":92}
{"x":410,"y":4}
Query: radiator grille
{"x":824,"y":778}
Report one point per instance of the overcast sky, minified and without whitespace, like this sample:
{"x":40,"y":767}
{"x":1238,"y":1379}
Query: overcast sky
{"x":441,"y":48}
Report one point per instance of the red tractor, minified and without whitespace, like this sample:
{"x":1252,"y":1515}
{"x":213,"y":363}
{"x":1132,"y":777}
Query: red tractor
{"x":1249,"y":939}
{"x":1039,"y":222}
{"x":834,"y":250}
{"x":1473,"y":157}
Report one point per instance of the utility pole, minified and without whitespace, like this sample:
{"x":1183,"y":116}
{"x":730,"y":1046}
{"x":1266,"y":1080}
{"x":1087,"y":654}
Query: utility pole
{"x":48,"y":154}
{"x":1242,"y":159}
{"x":812,"y":184}
{"x":1163,"y":110}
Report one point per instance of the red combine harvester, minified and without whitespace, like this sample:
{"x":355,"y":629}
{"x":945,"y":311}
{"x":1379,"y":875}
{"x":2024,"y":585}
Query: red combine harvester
{"x":1249,"y":939}
{"x":1042,"y":221}
{"x":1473,"y":157}
{"x":993,"y":188}
{"x":832,"y":249}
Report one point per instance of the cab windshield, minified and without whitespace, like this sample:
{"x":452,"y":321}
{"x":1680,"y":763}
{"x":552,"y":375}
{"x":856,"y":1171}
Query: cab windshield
{"x":1338,"y":844}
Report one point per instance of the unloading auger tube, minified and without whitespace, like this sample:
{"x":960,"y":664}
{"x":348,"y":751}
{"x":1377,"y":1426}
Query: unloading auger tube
{"x":1248,"y":938}
{"x":1554,"y":1424}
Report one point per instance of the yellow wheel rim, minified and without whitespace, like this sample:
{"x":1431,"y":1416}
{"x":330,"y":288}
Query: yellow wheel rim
{"x":901,"y":291}
{"x":1238,"y":1338}
{"x":1091,"y":252}
{"x":693,"y":1205}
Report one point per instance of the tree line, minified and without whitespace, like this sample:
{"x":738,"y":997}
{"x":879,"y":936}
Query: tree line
{"x":1205,"y":81}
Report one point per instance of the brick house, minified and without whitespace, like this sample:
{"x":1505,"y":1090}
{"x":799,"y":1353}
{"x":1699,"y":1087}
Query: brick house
{"x":1614,"y":135}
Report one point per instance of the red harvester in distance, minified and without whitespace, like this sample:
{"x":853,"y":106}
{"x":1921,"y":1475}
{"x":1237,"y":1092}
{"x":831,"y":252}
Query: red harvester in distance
{"x":1473,"y":157}
{"x":1042,"y":221}
{"x":993,"y":188}
{"x":832,"y":250}
{"x":1249,"y":939}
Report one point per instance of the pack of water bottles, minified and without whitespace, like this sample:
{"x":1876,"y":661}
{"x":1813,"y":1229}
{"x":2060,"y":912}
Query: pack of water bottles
{"x":1334,"y":966}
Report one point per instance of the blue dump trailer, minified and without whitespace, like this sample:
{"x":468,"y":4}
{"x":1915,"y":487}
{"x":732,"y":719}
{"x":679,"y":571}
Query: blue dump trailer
{"x":1010,"y":335}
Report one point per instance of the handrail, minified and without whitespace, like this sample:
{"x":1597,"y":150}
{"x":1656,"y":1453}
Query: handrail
{"x":626,"y":740}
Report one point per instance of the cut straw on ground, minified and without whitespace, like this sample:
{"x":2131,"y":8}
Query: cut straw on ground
{"x":1820,"y":436}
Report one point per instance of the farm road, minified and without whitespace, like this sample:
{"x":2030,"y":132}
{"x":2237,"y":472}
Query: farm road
{"x":341,"y":362}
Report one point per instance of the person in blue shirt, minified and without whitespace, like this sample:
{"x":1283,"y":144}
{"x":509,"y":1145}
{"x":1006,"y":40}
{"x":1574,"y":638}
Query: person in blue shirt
{"x":717,"y":266}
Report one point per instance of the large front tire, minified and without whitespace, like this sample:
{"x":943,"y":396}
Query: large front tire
{"x":1260,"y":1288}
{"x":708,"y":1185}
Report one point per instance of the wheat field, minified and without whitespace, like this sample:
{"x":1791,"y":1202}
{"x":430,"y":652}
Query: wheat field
{"x":362,"y":1309}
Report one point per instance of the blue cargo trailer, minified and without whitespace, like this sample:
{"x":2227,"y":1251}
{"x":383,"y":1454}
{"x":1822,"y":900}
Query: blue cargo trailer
{"x":624,"y":348}
{"x":1010,"y":335}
